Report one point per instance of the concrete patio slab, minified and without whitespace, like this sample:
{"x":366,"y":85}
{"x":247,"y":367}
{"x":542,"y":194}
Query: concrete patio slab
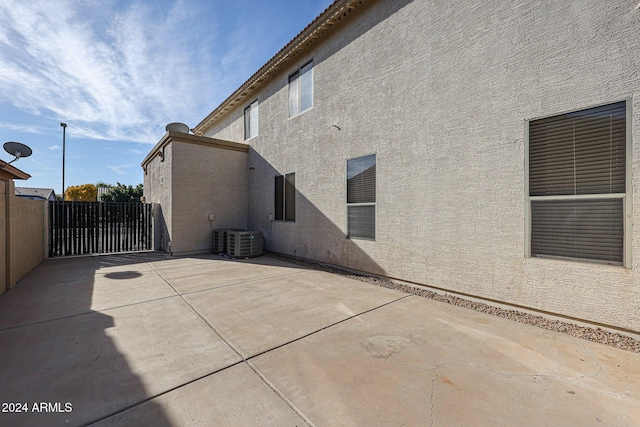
{"x":48,"y":301}
{"x":233,"y":397}
{"x":103,"y":362}
{"x":165,"y":261}
{"x":201,"y":276}
{"x":58,"y":270}
{"x":421,"y":362}
{"x":318,"y":349}
{"x":263,"y":314}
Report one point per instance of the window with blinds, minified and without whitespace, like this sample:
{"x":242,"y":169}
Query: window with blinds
{"x":577,"y":184}
{"x":361,"y":197}
{"x":285,"y":197}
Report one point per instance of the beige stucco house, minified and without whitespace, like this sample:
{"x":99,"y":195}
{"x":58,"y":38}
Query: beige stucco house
{"x":482,"y":148}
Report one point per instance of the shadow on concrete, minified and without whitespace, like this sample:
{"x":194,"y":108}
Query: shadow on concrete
{"x":60,"y":360}
{"x":123,"y":275}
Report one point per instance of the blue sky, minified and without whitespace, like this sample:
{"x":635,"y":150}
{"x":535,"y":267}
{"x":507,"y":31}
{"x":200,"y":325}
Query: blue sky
{"x":118,"y":71}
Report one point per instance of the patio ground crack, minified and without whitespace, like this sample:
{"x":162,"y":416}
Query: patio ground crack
{"x":433,"y":392}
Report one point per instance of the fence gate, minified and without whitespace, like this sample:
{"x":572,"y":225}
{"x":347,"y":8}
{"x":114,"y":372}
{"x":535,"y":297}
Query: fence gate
{"x":79,"y":228}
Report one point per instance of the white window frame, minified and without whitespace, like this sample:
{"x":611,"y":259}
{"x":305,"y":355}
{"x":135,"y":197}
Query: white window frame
{"x":626,"y":197}
{"x":251,"y":120}
{"x":374,"y":204}
{"x":295,"y":89}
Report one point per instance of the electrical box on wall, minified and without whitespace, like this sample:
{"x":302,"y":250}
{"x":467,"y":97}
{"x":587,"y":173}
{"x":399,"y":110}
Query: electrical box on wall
{"x":212,"y":217}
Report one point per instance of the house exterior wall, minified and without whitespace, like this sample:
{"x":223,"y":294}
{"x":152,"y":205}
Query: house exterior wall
{"x":206,"y":180}
{"x":199,"y":176}
{"x":441,"y":92}
{"x":157,"y":185}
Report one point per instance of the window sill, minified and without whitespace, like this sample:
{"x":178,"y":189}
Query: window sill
{"x":576,"y":261}
{"x":361,"y":238}
{"x":301,"y":113}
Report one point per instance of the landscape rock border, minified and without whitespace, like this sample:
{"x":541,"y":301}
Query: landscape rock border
{"x":593,"y":334}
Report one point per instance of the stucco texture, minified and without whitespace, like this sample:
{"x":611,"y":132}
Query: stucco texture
{"x":194,"y":181}
{"x":441,"y":92}
{"x":22,"y":228}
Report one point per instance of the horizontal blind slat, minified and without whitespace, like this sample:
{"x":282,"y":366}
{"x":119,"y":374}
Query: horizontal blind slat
{"x":582,"y":152}
{"x":587,"y":229}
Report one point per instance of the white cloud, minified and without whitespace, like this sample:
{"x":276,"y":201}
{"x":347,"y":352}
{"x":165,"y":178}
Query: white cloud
{"x":111,"y":74}
{"x":54,"y":147}
{"x":121,"y":169}
{"x":23,"y":128}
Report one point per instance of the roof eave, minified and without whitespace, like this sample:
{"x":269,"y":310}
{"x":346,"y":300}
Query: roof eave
{"x":14,"y":172}
{"x":313,"y":32}
{"x":171,"y":136}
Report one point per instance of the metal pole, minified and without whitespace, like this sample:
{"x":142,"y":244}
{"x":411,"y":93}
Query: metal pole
{"x":64,"y":129}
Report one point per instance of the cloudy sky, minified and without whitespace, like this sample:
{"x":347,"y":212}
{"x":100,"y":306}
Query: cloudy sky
{"x":117,"y":71}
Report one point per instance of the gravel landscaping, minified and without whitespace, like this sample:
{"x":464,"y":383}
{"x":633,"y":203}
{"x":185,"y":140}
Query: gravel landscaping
{"x":598,"y":335}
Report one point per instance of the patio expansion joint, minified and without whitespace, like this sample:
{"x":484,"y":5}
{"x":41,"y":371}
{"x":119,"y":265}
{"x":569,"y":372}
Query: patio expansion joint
{"x":148,"y":398}
{"x":239,"y":283}
{"x":346,"y":319}
{"x":243,"y":360}
{"x":102,"y":310}
{"x":281,"y":395}
{"x":247,"y":360}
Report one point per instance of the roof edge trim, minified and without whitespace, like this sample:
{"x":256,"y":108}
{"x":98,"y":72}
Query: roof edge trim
{"x":316,"y":30}
{"x":171,"y":136}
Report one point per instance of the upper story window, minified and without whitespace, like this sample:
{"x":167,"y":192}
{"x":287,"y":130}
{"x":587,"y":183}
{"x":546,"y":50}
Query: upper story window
{"x":578,"y":185}
{"x":251,"y":120}
{"x":301,"y":89}
{"x":361,"y":197}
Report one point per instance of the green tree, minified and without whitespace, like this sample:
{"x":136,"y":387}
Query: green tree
{"x":123,"y":193}
{"x":81,"y":193}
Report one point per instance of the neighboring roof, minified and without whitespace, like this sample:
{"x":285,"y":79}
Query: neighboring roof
{"x":8,"y":171}
{"x":317,"y":30}
{"x":171,"y":136}
{"x":43,"y":193}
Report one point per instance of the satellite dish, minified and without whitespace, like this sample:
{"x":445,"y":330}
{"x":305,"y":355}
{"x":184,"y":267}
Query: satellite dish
{"x":17,"y":150}
{"x":177,"y":127}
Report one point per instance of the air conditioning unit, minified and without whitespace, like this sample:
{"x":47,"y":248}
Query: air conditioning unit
{"x":220,"y":240}
{"x":242,"y":244}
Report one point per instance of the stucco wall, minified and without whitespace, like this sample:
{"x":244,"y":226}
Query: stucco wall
{"x":3,"y":236}
{"x":206,"y":180}
{"x":198,"y":177}
{"x":27,"y":236}
{"x":441,"y":92}
{"x":157,"y":189}
{"x":22,"y":242}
